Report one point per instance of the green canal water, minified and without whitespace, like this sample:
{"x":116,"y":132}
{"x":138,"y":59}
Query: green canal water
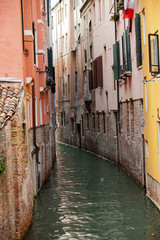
{"x":87,"y":197}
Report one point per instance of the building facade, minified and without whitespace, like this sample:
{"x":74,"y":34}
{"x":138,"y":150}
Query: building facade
{"x":151,"y":83}
{"x":27,"y":114}
{"x":104,"y":112}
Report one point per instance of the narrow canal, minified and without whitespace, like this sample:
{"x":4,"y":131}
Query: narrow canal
{"x":87,"y":197}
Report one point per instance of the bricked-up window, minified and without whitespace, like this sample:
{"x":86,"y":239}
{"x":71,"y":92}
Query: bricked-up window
{"x":93,"y":121}
{"x":98,"y":122}
{"x":104,"y":122}
{"x":132,"y":118}
{"x":87,"y":116}
{"x":72,"y":125}
{"x":68,"y":85}
{"x":76,"y":80}
{"x":127,"y":118}
{"x":61,"y":118}
{"x":82,"y":126}
{"x":64,"y":118}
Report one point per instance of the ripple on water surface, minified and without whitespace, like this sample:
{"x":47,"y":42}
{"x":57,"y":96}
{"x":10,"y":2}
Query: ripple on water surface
{"x":87,"y":197}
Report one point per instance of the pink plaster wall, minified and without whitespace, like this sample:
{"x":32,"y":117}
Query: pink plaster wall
{"x":11,"y":60}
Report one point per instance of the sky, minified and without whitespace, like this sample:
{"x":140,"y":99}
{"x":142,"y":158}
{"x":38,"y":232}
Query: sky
{"x":53,"y":2}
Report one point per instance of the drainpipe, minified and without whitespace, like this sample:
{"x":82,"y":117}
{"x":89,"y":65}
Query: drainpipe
{"x":36,"y":150}
{"x":118,"y":104}
{"x":77,"y":56}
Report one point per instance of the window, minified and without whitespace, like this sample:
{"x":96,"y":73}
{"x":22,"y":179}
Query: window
{"x":31,"y":109}
{"x":126,"y":52}
{"x":144,"y":28}
{"x":94,"y":14}
{"x":99,"y":10}
{"x":28,"y":111}
{"x":66,"y":42}
{"x":153,"y":53}
{"x":116,"y":60}
{"x":147,"y":150}
{"x":40,"y":102}
{"x":85,"y":55}
{"x":90,"y":26}
{"x":138,"y":39}
{"x":36,"y":114}
{"x":91,"y":50}
{"x":65,"y":10}
{"x":36,"y":48}
{"x":72,"y":125}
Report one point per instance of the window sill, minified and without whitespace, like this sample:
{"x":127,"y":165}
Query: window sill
{"x":140,"y":67}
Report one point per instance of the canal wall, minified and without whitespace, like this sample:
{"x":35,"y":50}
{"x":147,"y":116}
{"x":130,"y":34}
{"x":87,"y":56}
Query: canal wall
{"x":24,"y":176}
{"x":97,"y":132}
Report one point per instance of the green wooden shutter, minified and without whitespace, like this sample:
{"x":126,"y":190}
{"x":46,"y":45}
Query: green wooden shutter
{"x":50,"y":60}
{"x":128,"y":46}
{"x":116,"y":58}
{"x":138,"y":40}
{"x":48,"y":11}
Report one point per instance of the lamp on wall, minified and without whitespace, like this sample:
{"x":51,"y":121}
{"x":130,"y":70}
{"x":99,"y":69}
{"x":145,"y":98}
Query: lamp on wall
{"x":153,"y":40}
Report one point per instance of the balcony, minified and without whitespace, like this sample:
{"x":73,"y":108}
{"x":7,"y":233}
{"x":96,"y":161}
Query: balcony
{"x":116,"y":7}
{"x":124,"y":72}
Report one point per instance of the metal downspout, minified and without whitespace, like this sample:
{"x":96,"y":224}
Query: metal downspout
{"x":36,"y":150}
{"x":118,"y":104}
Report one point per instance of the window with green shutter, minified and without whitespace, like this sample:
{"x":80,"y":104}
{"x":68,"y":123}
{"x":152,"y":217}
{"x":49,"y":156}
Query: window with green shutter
{"x":116,"y":59}
{"x":48,"y":11}
{"x":50,"y":60}
{"x":138,"y":39}
{"x":126,"y":52}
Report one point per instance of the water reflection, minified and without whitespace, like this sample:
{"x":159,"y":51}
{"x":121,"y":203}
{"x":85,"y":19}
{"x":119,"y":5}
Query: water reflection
{"x":87,"y":197}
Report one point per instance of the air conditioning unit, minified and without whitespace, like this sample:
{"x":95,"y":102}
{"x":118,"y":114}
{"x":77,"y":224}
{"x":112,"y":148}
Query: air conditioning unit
{"x":73,"y":48}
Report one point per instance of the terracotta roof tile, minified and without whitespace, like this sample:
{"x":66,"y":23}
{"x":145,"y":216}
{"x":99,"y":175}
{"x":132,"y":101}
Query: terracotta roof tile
{"x":9,"y":98}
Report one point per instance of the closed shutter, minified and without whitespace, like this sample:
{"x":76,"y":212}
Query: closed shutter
{"x":138,"y":40}
{"x":50,"y":60}
{"x":124,"y":51}
{"x":100,"y":71}
{"x":48,"y":11}
{"x":95,"y":74}
{"x":128,"y":43}
{"x":90,"y":80}
{"x":116,"y":58}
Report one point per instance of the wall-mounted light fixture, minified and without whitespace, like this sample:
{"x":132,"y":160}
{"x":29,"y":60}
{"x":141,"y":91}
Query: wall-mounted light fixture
{"x":153,"y":40}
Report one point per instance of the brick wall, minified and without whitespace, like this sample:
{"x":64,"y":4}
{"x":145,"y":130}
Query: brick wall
{"x":19,"y":185}
{"x":131,"y":141}
{"x":100,"y":135}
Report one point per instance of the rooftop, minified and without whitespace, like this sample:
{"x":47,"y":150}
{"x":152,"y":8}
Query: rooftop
{"x":9,"y":98}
